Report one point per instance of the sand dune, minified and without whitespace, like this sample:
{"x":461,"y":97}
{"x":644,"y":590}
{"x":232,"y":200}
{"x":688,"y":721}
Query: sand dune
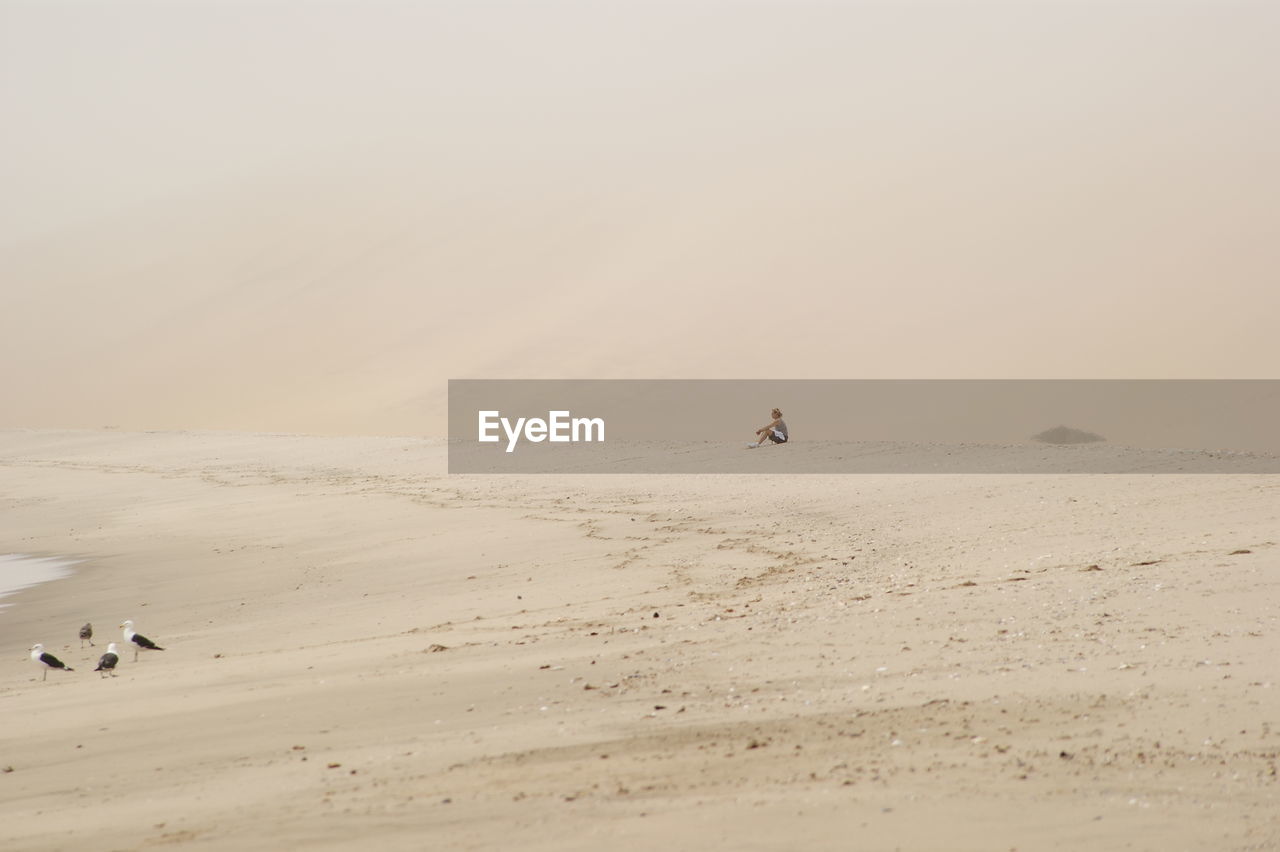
{"x":362,"y":649}
{"x":297,"y":244}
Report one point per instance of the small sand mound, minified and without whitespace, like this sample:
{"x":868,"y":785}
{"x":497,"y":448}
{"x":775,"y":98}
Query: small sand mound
{"x":1066,"y":435}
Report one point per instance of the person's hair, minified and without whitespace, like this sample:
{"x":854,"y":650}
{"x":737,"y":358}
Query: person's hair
{"x":777,"y":412}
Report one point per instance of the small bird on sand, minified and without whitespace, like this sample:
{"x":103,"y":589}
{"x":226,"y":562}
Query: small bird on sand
{"x":86,"y":635}
{"x":138,"y":640}
{"x":108,"y":661}
{"x":47,"y":661}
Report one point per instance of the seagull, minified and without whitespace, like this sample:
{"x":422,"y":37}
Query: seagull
{"x":49,"y":661}
{"x":138,"y":640}
{"x":86,"y":634}
{"x":108,"y":661}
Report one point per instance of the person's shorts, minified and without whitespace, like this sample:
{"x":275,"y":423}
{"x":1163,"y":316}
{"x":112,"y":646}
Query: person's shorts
{"x":777,"y":437}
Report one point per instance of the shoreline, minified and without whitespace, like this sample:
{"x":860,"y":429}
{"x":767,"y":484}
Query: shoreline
{"x":22,"y":571}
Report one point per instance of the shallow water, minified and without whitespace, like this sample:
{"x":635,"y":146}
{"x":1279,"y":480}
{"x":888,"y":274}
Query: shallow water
{"x":18,"y":572}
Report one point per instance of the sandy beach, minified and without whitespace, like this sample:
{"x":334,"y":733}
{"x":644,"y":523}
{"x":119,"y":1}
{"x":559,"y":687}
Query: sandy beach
{"x":270,"y":272}
{"x":362,"y":650}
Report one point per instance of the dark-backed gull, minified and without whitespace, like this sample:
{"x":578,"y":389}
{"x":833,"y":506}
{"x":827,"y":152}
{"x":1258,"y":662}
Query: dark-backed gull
{"x":108,"y":661}
{"x":138,"y":640}
{"x":47,"y":661}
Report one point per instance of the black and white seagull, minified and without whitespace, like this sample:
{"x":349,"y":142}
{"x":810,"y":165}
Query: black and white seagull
{"x":138,"y":641}
{"x":86,"y":635}
{"x":47,"y":661}
{"x":108,"y":661}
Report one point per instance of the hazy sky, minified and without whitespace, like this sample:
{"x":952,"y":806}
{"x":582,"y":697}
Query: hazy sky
{"x":307,"y":216}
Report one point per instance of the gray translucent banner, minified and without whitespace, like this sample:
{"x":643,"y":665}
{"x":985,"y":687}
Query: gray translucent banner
{"x":865,"y":426}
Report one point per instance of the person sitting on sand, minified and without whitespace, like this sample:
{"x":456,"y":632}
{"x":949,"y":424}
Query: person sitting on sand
{"x":775,"y":431}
